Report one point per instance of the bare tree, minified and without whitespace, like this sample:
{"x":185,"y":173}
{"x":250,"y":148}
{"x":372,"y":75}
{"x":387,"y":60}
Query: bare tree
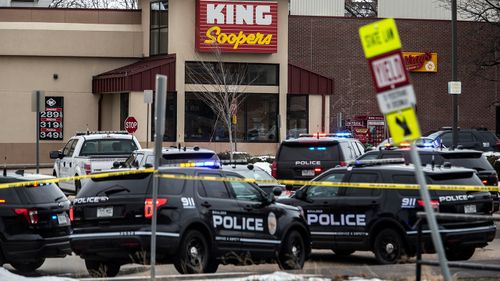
{"x":361,"y":8}
{"x":221,"y":87}
{"x":95,"y":4}
{"x":487,"y":11}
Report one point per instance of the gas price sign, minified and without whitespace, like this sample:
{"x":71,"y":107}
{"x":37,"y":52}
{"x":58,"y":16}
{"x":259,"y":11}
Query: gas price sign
{"x":51,"y":120}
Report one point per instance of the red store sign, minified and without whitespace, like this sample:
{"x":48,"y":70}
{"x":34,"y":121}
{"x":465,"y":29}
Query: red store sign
{"x":237,"y":26}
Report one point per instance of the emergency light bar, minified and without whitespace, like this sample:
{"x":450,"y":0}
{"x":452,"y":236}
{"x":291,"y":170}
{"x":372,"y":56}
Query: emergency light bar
{"x":365,"y":163}
{"x":83,"y":133}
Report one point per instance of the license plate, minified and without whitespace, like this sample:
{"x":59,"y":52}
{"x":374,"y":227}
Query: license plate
{"x":470,"y":209}
{"x":308,"y":172}
{"x":105,"y":212}
{"x":62,"y":218}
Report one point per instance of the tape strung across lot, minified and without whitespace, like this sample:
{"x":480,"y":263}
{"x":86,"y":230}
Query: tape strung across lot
{"x":284,"y":182}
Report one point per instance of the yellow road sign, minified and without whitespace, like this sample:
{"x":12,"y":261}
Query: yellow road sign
{"x":403,"y":125}
{"x":379,"y":37}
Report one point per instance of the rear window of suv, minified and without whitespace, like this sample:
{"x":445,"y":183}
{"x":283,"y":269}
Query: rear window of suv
{"x":46,"y":193}
{"x":108,"y":147}
{"x":304,"y":151}
{"x":474,"y":161}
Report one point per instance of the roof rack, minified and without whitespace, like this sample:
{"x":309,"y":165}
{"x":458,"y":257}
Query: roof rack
{"x":83,"y":133}
{"x":367,"y":163}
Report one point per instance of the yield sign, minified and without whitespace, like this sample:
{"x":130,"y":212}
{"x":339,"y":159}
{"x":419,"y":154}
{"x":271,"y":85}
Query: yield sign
{"x":388,"y":71}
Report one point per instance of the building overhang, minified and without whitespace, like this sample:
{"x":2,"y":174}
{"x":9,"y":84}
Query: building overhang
{"x":135,"y":77}
{"x":305,"y":82}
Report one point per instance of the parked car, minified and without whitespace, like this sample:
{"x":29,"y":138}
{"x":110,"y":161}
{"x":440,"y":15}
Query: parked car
{"x":201,"y":223}
{"x":34,"y":222}
{"x":477,"y":139}
{"x":196,"y":156}
{"x":383,"y":221}
{"x":250,"y":171}
{"x":91,"y":152}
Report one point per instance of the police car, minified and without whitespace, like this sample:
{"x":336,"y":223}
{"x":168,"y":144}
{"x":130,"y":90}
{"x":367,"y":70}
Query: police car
{"x":384,"y":220}
{"x":310,"y":155}
{"x":34,"y":222}
{"x":201,"y":223}
{"x":144,"y":158}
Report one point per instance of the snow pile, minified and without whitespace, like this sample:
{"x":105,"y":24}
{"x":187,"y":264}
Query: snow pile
{"x":278,"y":276}
{"x":7,"y":275}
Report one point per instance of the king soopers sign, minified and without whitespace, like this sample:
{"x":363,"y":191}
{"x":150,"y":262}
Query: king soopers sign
{"x":237,"y":26}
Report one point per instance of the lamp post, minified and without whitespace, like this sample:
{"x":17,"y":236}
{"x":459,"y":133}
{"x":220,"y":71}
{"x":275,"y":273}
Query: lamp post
{"x":454,"y":70}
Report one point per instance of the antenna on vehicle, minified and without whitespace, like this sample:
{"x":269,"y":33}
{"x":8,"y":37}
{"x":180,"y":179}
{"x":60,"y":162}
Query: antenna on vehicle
{"x":179,"y":146}
{"x":433,"y":162}
{"x":5,"y":167}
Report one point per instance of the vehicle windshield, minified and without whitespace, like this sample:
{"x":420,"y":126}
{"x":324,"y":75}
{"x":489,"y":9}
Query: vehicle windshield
{"x":108,"y":147}
{"x":303,"y":151}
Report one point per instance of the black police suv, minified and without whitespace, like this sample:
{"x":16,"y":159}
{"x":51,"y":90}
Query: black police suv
{"x":34,"y":222}
{"x":471,"y":159}
{"x":201,"y":223}
{"x":384,"y":220}
{"x":306,"y":157}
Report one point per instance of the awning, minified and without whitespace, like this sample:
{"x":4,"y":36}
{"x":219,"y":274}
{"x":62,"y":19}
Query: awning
{"x":306,"y":82}
{"x":135,"y":77}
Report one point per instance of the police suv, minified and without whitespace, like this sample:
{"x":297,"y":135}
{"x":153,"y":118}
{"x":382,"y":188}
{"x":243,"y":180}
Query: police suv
{"x":384,"y":220}
{"x":201,"y":223}
{"x":34,"y":222}
{"x":310,"y":155}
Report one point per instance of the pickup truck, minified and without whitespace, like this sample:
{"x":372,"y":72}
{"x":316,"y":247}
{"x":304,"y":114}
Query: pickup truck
{"x":91,"y":152}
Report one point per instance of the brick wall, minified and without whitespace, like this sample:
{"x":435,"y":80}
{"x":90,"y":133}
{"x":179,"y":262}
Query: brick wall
{"x":331,"y":47}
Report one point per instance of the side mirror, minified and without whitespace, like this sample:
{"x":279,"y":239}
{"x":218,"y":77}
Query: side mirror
{"x":300,"y":194}
{"x":277,"y":190}
{"x":56,"y":154}
{"x":116,"y":165}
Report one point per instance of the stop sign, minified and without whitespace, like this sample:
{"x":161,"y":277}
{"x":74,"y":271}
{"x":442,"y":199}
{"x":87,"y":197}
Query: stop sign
{"x":131,"y":124}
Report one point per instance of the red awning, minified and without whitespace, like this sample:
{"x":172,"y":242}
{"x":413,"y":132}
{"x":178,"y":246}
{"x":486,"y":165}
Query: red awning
{"x":138,"y":76}
{"x":306,"y":82}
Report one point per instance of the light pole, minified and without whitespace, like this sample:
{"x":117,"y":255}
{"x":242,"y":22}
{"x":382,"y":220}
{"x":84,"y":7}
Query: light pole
{"x":454,"y":70}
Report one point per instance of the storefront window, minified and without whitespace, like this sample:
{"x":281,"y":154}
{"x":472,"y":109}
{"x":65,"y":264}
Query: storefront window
{"x":170,"y":118}
{"x":209,"y":72}
{"x":297,"y":121}
{"x":158,"y":40}
{"x":257,"y":119}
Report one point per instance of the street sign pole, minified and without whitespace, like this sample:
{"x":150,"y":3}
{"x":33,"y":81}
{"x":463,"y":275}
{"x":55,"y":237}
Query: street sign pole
{"x":37,"y":132}
{"x":454,"y":71}
{"x":429,"y":213}
{"x":160,"y":107}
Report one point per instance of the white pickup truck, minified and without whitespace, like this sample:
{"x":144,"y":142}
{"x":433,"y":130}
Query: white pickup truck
{"x":90,"y":152}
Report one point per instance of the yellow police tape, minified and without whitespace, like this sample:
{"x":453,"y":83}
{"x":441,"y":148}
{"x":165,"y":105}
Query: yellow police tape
{"x":233,"y":179}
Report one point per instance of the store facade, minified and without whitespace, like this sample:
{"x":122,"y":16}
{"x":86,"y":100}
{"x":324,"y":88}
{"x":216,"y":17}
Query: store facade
{"x":104,"y":60}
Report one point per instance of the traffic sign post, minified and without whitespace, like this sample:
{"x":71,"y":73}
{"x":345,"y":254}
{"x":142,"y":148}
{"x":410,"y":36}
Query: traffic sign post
{"x":382,"y":48}
{"x":131,"y":124}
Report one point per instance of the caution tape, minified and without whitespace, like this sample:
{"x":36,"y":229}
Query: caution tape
{"x":249,"y":180}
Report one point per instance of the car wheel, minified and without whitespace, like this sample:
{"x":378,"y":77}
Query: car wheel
{"x":26,"y":267}
{"x":292,"y":254}
{"x":460,"y":253}
{"x":78,"y":185}
{"x":388,"y":247}
{"x":343,"y":253}
{"x":194,"y":255}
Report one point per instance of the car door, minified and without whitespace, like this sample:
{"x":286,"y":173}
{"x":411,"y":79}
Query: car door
{"x":319,"y":210}
{"x":65,"y":162}
{"x":219,"y":208}
{"x":355,"y":207}
{"x":256,"y":235}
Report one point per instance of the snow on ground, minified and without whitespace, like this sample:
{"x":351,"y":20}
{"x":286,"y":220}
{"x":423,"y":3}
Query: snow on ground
{"x":7,"y":275}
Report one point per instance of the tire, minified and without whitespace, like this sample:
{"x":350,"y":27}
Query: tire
{"x":29,"y":266}
{"x":460,"y":253}
{"x":78,"y":186}
{"x":194,"y":255}
{"x":292,"y":254}
{"x":102,"y":268}
{"x":388,"y":247}
{"x":343,"y":253}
